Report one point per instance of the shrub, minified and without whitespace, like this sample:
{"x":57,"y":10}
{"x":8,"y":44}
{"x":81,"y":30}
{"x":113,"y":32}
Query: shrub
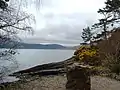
{"x":115,"y":68}
{"x":87,"y":55}
{"x":99,"y":70}
{"x":110,"y":52}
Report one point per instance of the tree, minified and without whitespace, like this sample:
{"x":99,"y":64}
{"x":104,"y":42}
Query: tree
{"x":103,"y":23}
{"x":112,"y":6}
{"x":3,"y":4}
{"x":87,"y":35}
{"x":110,"y":17}
{"x":12,"y":21}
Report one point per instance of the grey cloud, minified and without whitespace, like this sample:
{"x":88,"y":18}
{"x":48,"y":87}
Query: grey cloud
{"x":59,"y":26}
{"x":63,"y":34}
{"x":64,"y":30}
{"x":74,"y":18}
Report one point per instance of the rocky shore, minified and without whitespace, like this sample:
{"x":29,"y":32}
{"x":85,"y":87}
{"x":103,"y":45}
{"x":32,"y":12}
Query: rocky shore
{"x":53,"y":77}
{"x":46,"y":69}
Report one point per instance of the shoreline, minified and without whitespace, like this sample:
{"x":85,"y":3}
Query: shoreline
{"x":53,"y":76}
{"x":51,"y":68}
{"x":54,"y":68}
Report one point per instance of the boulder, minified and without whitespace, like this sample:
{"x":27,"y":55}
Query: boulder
{"x":78,"y":77}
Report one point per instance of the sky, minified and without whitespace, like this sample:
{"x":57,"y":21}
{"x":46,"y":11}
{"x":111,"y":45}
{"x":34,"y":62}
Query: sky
{"x":62,"y":21}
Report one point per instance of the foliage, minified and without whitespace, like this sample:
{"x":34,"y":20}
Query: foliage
{"x":110,"y":51}
{"x":110,"y":13}
{"x":12,"y":22}
{"x":115,"y":68}
{"x":103,"y":24}
{"x":87,"y":34}
{"x":112,"y":6}
{"x":88,"y":55}
{"x":99,"y":70}
{"x":3,"y":4}
{"x":109,"y":47}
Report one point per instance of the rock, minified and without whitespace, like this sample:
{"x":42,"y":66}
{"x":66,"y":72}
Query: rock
{"x":50,"y":68}
{"x":56,"y":65}
{"x":78,"y":77}
{"x":48,"y":72}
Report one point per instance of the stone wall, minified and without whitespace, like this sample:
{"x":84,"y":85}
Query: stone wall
{"x":78,"y":77}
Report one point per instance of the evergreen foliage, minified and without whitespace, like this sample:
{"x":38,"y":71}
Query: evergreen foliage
{"x":87,"y":34}
{"x":3,"y":4}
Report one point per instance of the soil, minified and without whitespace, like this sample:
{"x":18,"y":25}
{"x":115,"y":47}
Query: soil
{"x":58,"y":82}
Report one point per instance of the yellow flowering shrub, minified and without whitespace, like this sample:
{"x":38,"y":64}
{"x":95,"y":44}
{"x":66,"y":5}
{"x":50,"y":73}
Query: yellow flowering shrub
{"x":87,"y":55}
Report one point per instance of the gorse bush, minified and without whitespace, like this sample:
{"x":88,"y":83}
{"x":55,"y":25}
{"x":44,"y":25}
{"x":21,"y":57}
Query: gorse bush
{"x":105,"y":54}
{"x":88,"y":55}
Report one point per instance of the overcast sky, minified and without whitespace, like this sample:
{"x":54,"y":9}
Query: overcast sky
{"x":62,"y":21}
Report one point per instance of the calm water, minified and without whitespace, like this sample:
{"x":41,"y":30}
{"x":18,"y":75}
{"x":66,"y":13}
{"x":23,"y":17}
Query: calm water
{"x":32,"y":57}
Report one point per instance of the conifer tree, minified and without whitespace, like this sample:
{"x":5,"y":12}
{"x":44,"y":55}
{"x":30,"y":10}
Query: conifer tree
{"x":87,"y":35}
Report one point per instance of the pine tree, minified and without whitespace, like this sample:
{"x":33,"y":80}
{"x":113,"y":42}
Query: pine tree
{"x":112,"y":6}
{"x":3,"y":4}
{"x":87,"y":35}
{"x":104,"y":23}
{"x":110,"y":13}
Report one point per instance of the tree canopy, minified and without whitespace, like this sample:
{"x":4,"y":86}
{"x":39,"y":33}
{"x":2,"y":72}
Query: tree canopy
{"x":12,"y":22}
{"x":3,"y":4}
{"x":87,"y":34}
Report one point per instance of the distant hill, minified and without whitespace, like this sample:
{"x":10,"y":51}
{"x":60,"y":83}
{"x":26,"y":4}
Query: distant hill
{"x":41,"y":46}
{"x":33,"y":46}
{"x":22,"y":45}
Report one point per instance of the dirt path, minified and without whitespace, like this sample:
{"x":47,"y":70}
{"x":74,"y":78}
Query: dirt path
{"x":58,"y":83}
{"x":102,"y":83}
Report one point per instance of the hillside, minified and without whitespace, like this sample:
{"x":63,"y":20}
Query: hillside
{"x":41,"y":46}
{"x":20,"y":45}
